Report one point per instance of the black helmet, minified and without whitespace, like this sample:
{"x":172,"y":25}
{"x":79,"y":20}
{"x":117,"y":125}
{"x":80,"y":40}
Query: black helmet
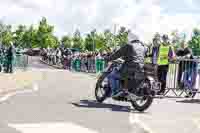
{"x":165,"y":37}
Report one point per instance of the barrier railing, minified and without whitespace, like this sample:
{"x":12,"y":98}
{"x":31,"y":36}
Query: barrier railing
{"x":89,"y":65}
{"x":20,"y":61}
{"x":183,"y":77}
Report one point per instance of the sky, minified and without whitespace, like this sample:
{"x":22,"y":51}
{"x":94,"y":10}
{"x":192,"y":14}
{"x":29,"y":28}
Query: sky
{"x":144,"y":17}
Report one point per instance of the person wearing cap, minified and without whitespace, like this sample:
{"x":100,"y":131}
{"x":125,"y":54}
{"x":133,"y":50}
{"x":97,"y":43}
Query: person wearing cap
{"x":165,"y":53}
{"x":133,"y":54}
{"x":155,"y":49}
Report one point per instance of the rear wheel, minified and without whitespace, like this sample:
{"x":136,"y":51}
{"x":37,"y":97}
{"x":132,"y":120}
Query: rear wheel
{"x":142,"y":104}
{"x":145,"y":97}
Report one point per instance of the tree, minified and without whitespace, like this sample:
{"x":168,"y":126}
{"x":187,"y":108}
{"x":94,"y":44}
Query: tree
{"x":109,"y":39}
{"x":122,"y":37}
{"x":101,"y":43}
{"x":45,"y":37}
{"x":19,"y":33}
{"x":66,"y":41}
{"x":95,"y":41}
{"x":195,"y":41}
{"x":2,"y":30}
{"x":6,"y":35}
{"x":52,"y":41}
{"x":77,"y":40}
{"x":29,"y":38}
{"x":88,"y":43}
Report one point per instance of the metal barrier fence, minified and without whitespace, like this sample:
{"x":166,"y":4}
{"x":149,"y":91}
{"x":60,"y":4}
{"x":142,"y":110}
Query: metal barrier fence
{"x":85,"y":65}
{"x":19,"y":62}
{"x":183,"y":77}
{"x":89,"y":65}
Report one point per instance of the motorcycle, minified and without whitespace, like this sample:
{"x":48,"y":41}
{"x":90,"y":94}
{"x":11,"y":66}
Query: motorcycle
{"x":141,"y":98}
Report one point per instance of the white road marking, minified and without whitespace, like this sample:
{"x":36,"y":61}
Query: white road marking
{"x":51,"y":128}
{"x":134,"y":119}
{"x":7,"y":96}
{"x":197,"y":122}
{"x":35,"y":87}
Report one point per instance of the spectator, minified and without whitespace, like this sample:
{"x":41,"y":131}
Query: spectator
{"x":165,"y":53}
{"x":10,"y":57}
{"x":186,"y":67}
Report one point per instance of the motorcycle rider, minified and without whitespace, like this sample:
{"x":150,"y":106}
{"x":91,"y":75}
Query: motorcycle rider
{"x":133,"y":54}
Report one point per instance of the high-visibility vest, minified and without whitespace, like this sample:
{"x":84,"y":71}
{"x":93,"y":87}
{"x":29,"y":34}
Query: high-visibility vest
{"x":163,"y":55}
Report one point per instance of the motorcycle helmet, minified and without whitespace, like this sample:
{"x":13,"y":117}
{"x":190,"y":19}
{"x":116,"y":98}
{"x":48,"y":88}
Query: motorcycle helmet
{"x":132,"y":37}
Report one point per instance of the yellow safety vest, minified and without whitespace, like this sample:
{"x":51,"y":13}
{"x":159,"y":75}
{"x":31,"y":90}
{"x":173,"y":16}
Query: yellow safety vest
{"x":163,"y":55}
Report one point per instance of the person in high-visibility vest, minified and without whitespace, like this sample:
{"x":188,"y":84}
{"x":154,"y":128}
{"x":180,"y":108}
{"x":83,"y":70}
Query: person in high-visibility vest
{"x":165,"y":52}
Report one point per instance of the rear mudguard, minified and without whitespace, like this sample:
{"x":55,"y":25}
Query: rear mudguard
{"x":152,"y":81}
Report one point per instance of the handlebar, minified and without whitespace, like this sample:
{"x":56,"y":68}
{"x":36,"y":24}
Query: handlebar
{"x":118,"y":61}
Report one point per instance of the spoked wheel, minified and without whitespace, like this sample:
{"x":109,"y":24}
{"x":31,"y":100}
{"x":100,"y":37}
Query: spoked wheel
{"x":100,"y":94}
{"x":145,"y":97}
{"x":143,"y":103}
{"x":102,"y":91}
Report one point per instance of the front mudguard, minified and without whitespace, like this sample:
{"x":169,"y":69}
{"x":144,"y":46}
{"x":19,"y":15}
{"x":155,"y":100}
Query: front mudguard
{"x":101,"y":78}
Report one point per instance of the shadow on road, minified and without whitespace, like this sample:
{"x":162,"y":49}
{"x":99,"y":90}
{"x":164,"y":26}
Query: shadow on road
{"x":94,"y":104}
{"x":113,"y":107}
{"x":195,"y":101}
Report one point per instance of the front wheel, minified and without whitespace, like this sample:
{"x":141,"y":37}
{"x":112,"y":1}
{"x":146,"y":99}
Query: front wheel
{"x":100,"y":94}
{"x":102,"y":89}
{"x":142,"y":104}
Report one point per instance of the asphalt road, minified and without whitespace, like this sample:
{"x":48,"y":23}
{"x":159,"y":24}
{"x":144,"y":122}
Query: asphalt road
{"x":64,"y":102}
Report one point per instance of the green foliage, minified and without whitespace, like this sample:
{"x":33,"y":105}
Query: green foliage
{"x":42,"y":36}
{"x":122,"y":37}
{"x":101,"y":43}
{"x":67,"y":41}
{"x":88,"y":43}
{"x":18,"y":35}
{"x":195,"y":41}
{"x":109,"y":39}
{"x":95,"y":42}
{"x":29,"y":39}
{"x":45,"y":37}
{"x":6,"y":34}
{"x":77,"y":40}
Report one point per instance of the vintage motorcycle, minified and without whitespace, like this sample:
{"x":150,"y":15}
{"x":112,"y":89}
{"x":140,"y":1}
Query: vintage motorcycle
{"x":141,"y":98}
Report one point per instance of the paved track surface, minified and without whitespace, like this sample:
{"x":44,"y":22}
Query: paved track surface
{"x":63,"y":101}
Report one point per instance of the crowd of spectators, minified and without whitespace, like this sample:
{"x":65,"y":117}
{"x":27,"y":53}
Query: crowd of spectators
{"x":90,"y":62}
